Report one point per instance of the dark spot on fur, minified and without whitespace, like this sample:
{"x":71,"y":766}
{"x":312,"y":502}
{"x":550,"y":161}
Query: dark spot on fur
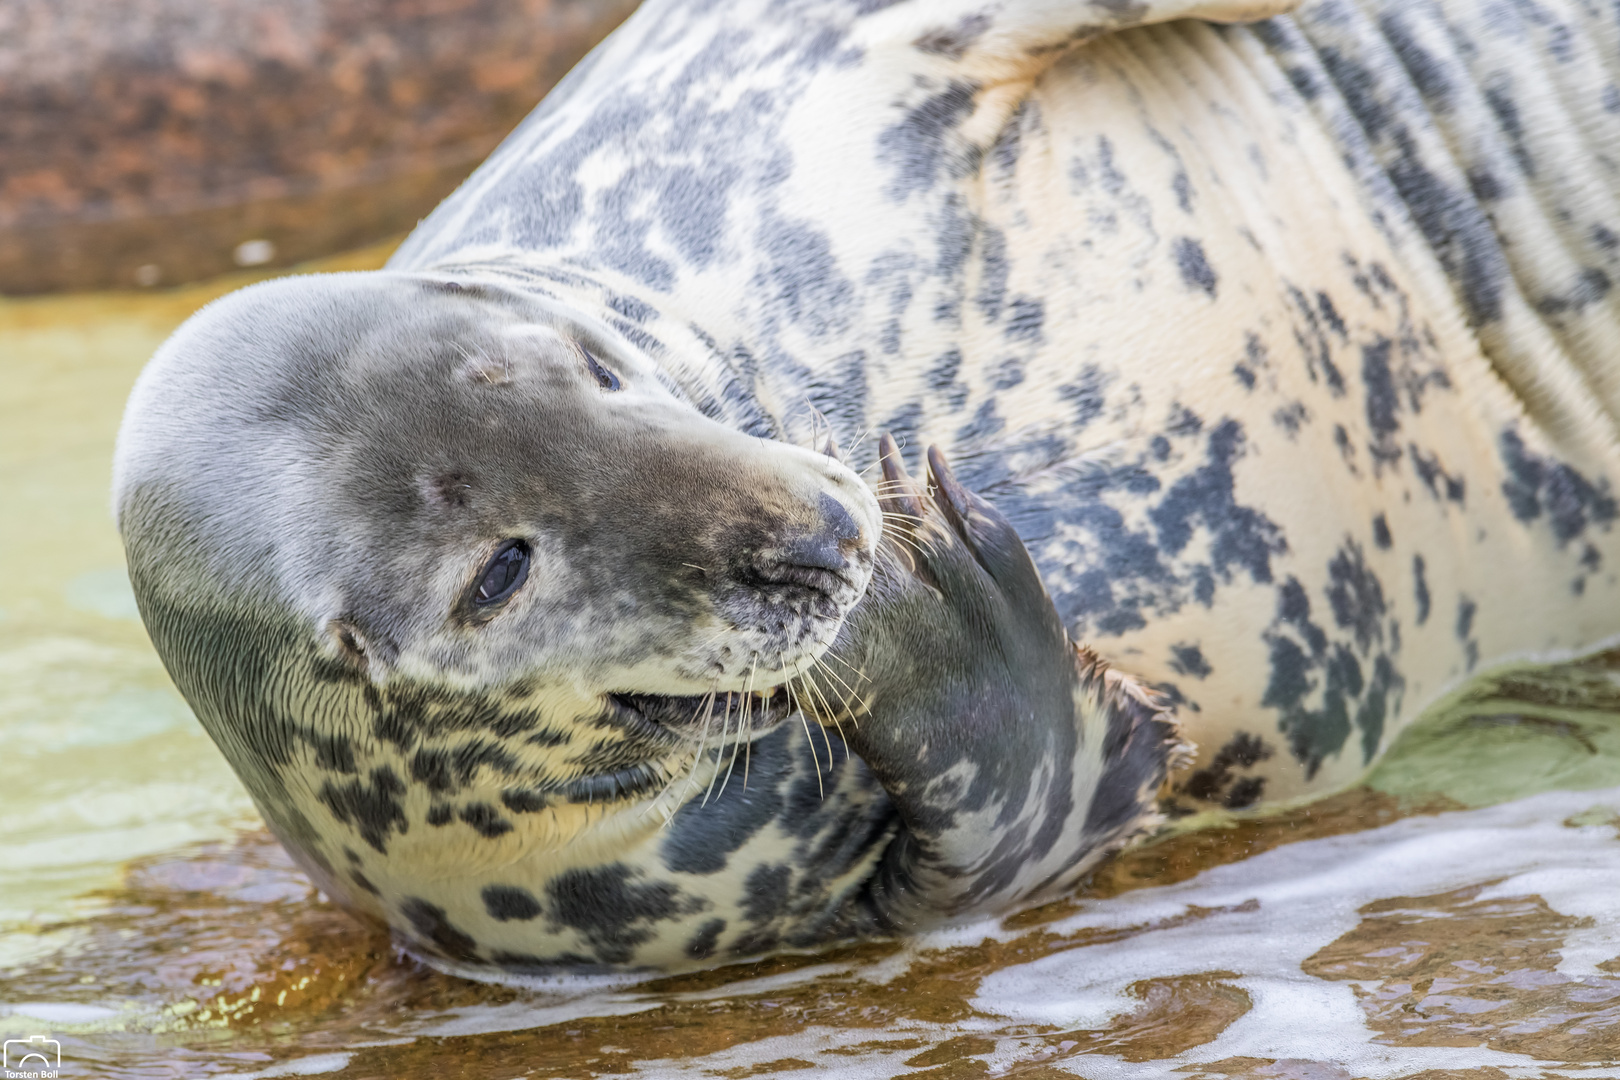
{"x":1291,"y":417}
{"x":524,"y":801}
{"x":1086,"y":394}
{"x":1189,"y":660}
{"x":1375,"y":706}
{"x":1380,"y":530}
{"x":486,"y":819}
{"x":630,"y":308}
{"x":1441,"y":484}
{"x":1245,"y":792}
{"x":802,"y":280}
{"x":1330,"y":315}
{"x":702,"y":944}
{"x":985,"y":423}
{"x":1341,"y":439}
{"x":429,"y":921}
{"x":1196,"y":273}
{"x":372,"y":808}
{"x":1242,"y":751}
{"x":1381,"y":400}
{"x":953,"y":41}
{"x":1025,"y":317}
{"x":1484,"y":184}
{"x":333,"y":753}
{"x":1183,"y":421}
{"x":916,"y":146}
{"x":432,"y":767}
{"x":701,"y":839}
{"x":1537,"y":484}
{"x":608,"y":908}
{"x":508,"y":902}
{"x":1420,"y":589}
{"x":1239,"y":535}
{"x":1009,"y":374}
{"x":1356,"y":595}
{"x":1426,"y":71}
{"x":1182,"y":186}
{"x":992,"y":293}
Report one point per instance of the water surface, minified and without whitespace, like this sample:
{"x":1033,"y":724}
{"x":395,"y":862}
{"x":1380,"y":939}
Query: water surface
{"x":1458,"y":917}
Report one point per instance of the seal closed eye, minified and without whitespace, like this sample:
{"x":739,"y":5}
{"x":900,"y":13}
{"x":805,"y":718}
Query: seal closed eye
{"x":604,"y":378}
{"x":504,"y":574}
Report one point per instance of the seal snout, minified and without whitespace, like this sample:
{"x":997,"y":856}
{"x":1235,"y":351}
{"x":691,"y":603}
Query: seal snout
{"x":820,"y":561}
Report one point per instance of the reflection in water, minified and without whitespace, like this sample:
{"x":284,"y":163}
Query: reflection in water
{"x":151,"y":926}
{"x":1449,"y":941}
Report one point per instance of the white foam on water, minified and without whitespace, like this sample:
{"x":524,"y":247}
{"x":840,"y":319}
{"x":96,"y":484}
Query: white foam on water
{"x":523,"y":1015}
{"x":1284,"y":905}
{"x":314,"y":1065}
{"x":62,"y":1012}
{"x":1260,"y":919}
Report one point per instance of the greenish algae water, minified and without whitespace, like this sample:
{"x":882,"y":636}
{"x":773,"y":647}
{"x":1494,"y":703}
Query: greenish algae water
{"x":1426,"y":925}
{"x":103,"y":761}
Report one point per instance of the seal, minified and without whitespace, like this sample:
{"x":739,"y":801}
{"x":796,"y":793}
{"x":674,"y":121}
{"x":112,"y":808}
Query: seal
{"x":523,"y":586}
{"x":489,"y":620}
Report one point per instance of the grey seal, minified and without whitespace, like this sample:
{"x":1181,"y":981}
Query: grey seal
{"x":1272,"y":364}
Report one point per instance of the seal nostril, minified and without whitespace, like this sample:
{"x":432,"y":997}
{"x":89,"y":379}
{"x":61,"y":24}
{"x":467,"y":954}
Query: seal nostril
{"x":839,"y":523}
{"x":819,"y":552}
{"x":815,"y":561}
{"x":826,"y":548}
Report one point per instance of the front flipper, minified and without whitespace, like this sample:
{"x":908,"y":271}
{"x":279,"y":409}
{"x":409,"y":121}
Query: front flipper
{"x":1014,"y":758}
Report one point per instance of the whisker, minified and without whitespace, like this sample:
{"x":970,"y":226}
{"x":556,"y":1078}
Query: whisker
{"x":725,"y":725}
{"x":819,"y":666}
{"x":745,"y":723}
{"x":909,"y":544}
{"x":810,"y":742}
{"x":902,"y":534}
{"x":858,"y":440}
{"x":707,"y":708}
{"x":836,"y":659}
{"x":831,"y":714}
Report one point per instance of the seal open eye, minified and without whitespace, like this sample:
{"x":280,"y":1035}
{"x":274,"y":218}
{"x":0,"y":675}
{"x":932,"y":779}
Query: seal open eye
{"x":604,"y":378}
{"x":506,"y":571}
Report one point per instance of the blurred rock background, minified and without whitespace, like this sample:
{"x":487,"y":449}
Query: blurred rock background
{"x":150,"y":143}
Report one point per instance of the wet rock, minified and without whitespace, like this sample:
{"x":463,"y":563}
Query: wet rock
{"x":180,"y":139}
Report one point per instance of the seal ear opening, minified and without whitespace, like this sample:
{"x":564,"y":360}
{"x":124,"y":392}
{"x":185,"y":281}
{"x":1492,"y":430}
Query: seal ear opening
{"x":353,"y":649}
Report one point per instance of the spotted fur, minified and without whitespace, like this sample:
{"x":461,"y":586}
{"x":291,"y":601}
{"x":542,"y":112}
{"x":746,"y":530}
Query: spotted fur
{"x":1286,"y":349}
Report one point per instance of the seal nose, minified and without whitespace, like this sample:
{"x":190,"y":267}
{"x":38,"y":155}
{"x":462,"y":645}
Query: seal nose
{"x":812,"y":563}
{"x":825,"y":549}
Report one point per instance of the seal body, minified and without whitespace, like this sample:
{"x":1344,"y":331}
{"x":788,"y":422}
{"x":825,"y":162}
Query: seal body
{"x":1288,"y":348}
{"x":1280,"y":358}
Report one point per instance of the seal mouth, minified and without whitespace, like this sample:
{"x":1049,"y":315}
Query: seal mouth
{"x":810,"y":590}
{"x":760,"y":710}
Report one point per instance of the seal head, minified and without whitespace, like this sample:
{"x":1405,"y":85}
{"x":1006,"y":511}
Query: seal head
{"x":386,"y":526}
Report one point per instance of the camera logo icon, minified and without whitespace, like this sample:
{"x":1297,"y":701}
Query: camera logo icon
{"x":32,"y":1055}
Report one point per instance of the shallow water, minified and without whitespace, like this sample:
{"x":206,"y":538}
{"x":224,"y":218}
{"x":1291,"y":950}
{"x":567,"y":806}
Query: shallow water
{"x":1446,"y":921}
